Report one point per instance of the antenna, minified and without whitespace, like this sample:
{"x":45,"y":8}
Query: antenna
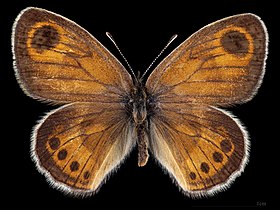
{"x":168,"y":43}
{"x":112,"y":39}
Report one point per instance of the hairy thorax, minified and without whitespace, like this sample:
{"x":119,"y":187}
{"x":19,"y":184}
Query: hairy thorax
{"x":140,"y":107}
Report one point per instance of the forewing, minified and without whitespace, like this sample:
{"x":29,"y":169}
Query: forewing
{"x":57,"y":60}
{"x":203,"y":148}
{"x":221,"y":64}
{"x":78,"y":145}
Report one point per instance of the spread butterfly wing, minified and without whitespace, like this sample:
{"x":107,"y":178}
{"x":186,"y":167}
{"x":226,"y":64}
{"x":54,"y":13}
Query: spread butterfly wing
{"x":221,"y":64}
{"x":57,"y":60}
{"x":202,"y":148}
{"x":78,"y":145}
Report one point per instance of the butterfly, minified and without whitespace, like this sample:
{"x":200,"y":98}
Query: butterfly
{"x":176,"y":116}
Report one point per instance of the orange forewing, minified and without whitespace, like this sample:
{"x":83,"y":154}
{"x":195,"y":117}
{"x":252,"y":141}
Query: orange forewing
{"x":221,"y":64}
{"x":57,"y":60}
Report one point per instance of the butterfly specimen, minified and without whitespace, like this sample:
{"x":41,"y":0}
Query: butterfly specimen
{"x":176,"y":116}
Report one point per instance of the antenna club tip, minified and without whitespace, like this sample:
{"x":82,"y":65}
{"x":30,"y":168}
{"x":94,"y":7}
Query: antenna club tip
{"x":172,"y":38}
{"x":109,"y":35}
